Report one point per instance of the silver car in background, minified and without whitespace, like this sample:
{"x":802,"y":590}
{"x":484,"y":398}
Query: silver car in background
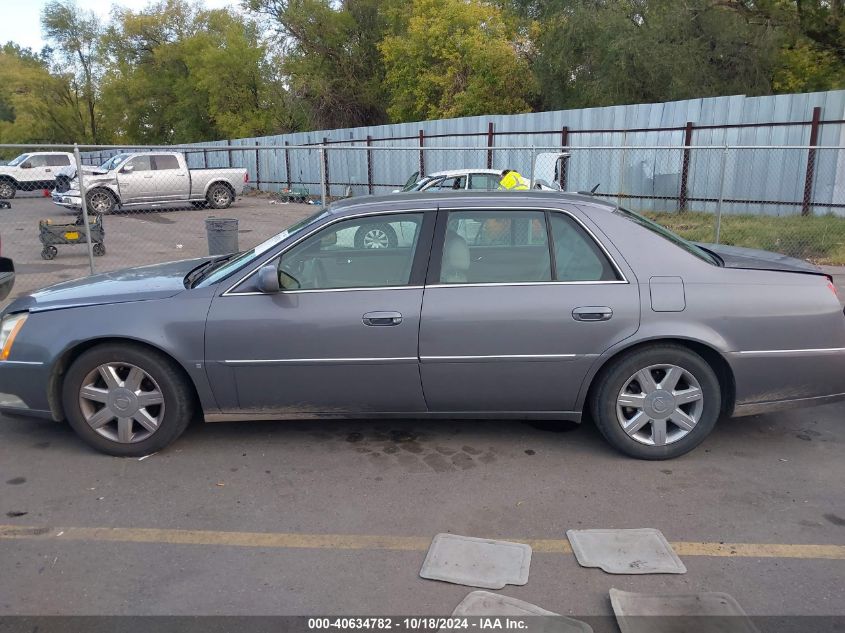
{"x":523,"y":305}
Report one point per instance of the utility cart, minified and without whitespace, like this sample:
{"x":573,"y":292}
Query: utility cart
{"x":52,"y":234}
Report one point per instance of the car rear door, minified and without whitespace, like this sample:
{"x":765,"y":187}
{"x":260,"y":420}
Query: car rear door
{"x":170,"y":177}
{"x":518,"y":305}
{"x":341,"y":337}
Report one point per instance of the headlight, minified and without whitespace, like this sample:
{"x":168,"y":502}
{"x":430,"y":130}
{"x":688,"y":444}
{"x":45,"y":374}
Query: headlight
{"x":9,"y":328}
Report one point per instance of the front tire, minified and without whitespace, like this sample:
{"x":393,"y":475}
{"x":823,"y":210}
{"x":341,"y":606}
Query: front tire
{"x":100,"y":201}
{"x":126,"y":400}
{"x":7,"y":189}
{"x":656,"y":403}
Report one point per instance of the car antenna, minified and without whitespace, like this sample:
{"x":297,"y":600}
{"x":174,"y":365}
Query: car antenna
{"x":592,"y":191}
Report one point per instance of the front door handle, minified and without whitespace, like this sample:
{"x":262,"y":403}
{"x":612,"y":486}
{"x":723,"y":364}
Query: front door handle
{"x":382,"y":318}
{"x":592,"y":313}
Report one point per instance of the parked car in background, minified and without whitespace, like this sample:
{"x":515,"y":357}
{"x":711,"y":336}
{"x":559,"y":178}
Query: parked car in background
{"x":153,"y":179}
{"x":523,"y":305}
{"x":65,"y":175}
{"x":547,"y":170}
{"x":31,"y":172}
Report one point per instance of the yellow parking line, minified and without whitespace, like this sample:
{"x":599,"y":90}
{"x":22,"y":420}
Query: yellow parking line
{"x":373,"y":542}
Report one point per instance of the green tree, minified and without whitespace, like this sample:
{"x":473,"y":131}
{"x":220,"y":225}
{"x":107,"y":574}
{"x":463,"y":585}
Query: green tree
{"x":179,"y":73}
{"x":76,"y":35}
{"x":35,"y":105}
{"x":330,"y":56}
{"x":456,"y":58}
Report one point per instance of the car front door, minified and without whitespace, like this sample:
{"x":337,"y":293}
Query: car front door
{"x":339,"y":338}
{"x":518,"y":305}
{"x":171,"y":179}
{"x":35,"y":173}
{"x":135,"y":180}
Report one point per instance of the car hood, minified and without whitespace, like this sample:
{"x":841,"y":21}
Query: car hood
{"x":158,"y":281}
{"x":739,"y":257}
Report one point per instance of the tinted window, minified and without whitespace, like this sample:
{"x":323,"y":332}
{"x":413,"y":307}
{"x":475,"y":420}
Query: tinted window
{"x":140,"y":163}
{"x":577,"y":256}
{"x":37,"y":160}
{"x":366,"y":252}
{"x":486,"y":182}
{"x":495,"y":246}
{"x":451,"y":183}
{"x":58,"y":160}
{"x":165,"y":162}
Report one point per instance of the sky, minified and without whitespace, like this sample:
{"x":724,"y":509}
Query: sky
{"x":21,"y":21}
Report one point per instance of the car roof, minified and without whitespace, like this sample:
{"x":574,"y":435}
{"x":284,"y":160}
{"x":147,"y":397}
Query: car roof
{"x":461,"y":172}
{"x":433,"y":200}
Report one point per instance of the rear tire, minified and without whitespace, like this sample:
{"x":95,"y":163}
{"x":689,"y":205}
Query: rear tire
{"x":116,"y":378}
{"x":49,"y":252}
{"x":219,"y":196}
{"x":656,"y":403}
{"x":99,"y":249}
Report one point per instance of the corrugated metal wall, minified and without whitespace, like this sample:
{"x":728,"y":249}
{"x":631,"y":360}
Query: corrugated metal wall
{"x":648,"y":176}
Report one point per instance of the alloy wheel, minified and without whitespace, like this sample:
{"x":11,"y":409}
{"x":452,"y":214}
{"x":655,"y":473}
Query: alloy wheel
{"x":659,"y":405}
{"x":6,"y":190}
{"x":376,"y":238}
{"x":100,"y":202}
{"x":121,"y":402}
{"x":220,"y":197}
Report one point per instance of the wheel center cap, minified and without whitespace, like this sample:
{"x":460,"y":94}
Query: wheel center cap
{"x":123,"y":402}
{"x":659,"y":404}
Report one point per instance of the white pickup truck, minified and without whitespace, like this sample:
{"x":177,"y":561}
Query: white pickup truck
{"x":152,"y":179}
{"x":31,"y":172}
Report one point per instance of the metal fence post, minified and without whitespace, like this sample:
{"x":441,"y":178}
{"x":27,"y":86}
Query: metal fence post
{"x":685,"y":162}
{"x":323,"y":157}
{"x":533,"y":160}
{"x":87,"y":225}
{"x":811,"y":162}
{"x":490,"y":145}
{"x":620,"y":190}
{"x":564,"y":164}
{"x":257,"y":167}
{"x":287,"y":165}
{"x":370,"y":165}
{"x":718,"y":235}
{"x":422,"y":153}
{"x":326,"y":174}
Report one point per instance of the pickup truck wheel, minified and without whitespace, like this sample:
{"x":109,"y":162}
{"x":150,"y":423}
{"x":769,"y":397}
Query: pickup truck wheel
{"x":219,"y":196}
{"x":7,"y":189}
{"x":126,"y":400}
{"x":101,"y":201}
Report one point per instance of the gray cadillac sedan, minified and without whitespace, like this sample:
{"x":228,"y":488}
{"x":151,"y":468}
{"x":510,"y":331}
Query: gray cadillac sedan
{"x":520,"y":305}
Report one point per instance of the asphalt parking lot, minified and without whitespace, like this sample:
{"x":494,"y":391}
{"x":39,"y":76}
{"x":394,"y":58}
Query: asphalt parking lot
{"x":335,"y":517}
{"x":132,"y":238}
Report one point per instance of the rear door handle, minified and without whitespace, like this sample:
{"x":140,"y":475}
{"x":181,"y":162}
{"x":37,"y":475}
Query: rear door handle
{"x":382,"y":318}
{"x":592,"y":313}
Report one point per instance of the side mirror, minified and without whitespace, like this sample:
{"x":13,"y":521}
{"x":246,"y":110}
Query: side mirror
{"x":7,"y":277}
{"x":268,"y":279}
{"x":127,"y":169}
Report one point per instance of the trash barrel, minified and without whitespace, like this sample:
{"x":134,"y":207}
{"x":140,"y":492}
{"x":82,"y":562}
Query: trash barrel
{"x":222,"y":235}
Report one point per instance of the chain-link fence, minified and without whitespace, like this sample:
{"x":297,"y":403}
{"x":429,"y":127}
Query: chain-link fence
{"x":148,"y":205}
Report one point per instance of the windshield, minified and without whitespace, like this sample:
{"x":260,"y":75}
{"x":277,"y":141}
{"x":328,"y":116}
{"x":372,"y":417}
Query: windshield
{"x":226,"y":266}
{"x":665,"y":233}
{"x":411,"y":183}
{"x":114,"y":161}
{"x":17,"y":161}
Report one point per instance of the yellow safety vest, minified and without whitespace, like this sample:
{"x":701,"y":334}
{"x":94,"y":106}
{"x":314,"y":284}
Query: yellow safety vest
{"x":513,"y":181}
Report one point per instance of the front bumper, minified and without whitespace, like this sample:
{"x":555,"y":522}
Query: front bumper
{"x":23,"y":389}
{"x":67,"y":199}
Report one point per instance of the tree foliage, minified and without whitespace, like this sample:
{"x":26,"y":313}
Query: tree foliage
{"x":455,"y":58}
{"x":179,"y":72}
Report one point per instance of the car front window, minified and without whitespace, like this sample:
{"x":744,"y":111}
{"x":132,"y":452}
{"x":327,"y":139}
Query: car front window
{"x":666,"y":234}
{"x":17,"y":161}
{"x":114,"y":161}
{"x":226,"y":267}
